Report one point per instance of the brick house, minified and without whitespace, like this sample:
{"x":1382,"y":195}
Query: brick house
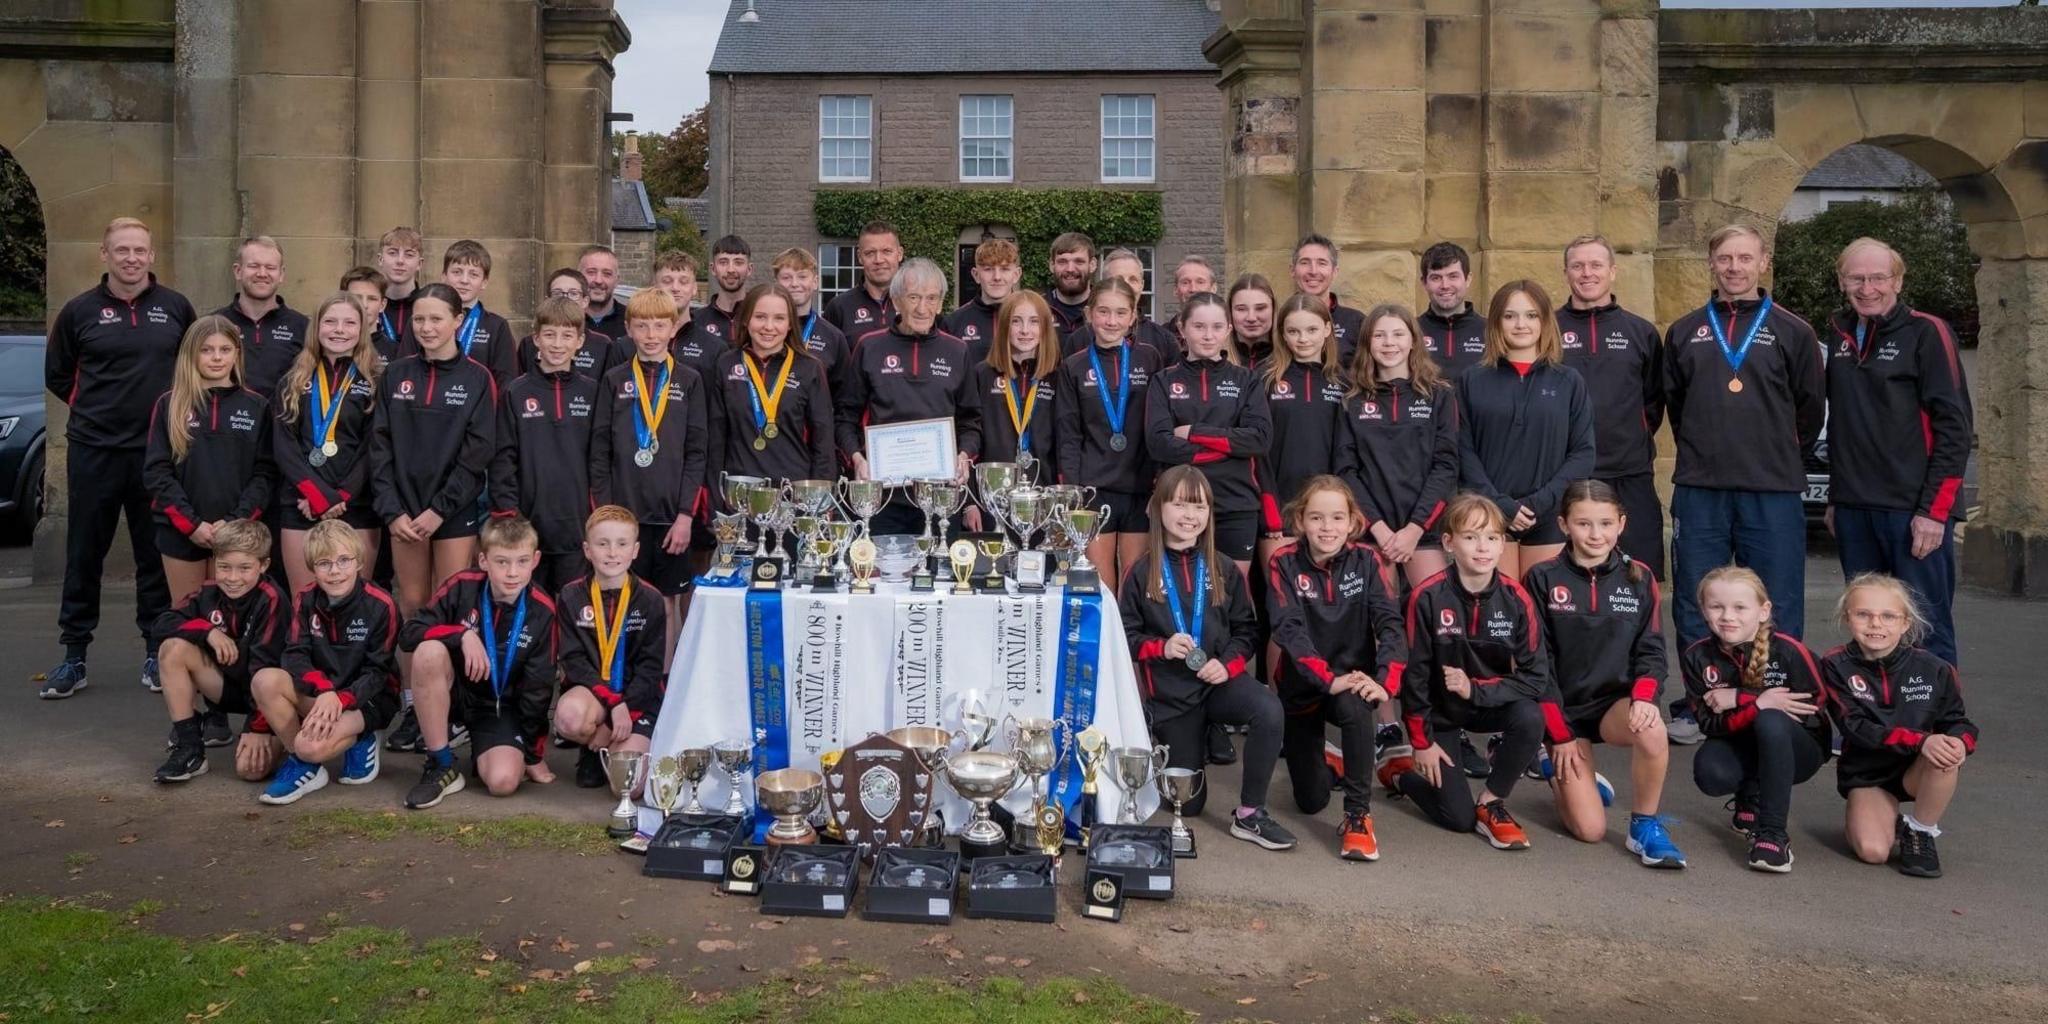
{"x":810,"y":94}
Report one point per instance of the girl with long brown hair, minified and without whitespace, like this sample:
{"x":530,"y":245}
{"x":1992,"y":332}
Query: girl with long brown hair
{"x":1016,"y":387}
{"x":1397,"y":442}
{"x":208,"y":457}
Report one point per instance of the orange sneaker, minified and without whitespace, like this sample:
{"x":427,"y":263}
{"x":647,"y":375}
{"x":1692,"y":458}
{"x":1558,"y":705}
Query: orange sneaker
{"x":1392,"y":769}
{"x":1499,"y":828}
{"x":1357,"y":839}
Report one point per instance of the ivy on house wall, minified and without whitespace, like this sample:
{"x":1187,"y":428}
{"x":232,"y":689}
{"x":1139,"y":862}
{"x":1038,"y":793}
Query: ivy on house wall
{"x":930,"y":219}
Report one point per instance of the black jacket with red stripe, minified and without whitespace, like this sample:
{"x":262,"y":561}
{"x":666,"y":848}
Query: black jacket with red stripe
{"x":895,"y":377}
{"x":1224,"y":404}
{"x":109,"y":358}
{"x":343,"y":477}
{"x":256,"y":622}
{"x":717,"y":327}
{"x":1900,"y":422}
{"x":1889,"y":706}
{"x":1397,"y":448}
{"x":269,"y":344}
{"x":435,"y":431}
{"x":974,"y":323}
{"x":1347,"y":325}
{"x":1145,"y":332}
{"x":672,"y":487}
{"x":1709,"y":664}
{"x":396,"y":324}
{"x":855,"y":312}
{"x":1230,"y":633}
{"x":803,"y":447}
{"x":344,"y":645}
{"x":1307,"y":408}
{"x":529,"y":687}
{"x":228,"y":469}
{"x":645,"y":631}
{"x":1621,"y":357}
{"x":493,"y":345}
{"x":1082,"y":425}
{"x":1494,"y":636}
{"x":612,"y":324}
{"x":597,"y":355}
{"x":541,"y":468}
{"x":1524,"y":437}
{"x":1332,"y":619}
{"x":1456,"y":341}
{"x":999,"y":435}
{"x":1601,"y":628}
{"x":690,"y":346}
{"x":1754,"y":439}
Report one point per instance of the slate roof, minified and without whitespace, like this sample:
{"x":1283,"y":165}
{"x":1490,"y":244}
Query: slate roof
{"x":964,"y":36}
{"x":630,"y":209}
{"x":1865,"y":166}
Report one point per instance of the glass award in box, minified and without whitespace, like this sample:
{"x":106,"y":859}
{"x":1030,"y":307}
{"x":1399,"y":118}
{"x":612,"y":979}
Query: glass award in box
{"x":1017,"y":888}
{"x":914,"y":886}
{"x":1142,"y":854}
{"x":810,"y":880}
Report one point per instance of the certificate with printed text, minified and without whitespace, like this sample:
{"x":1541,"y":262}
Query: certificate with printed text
{"x":911,"y":450}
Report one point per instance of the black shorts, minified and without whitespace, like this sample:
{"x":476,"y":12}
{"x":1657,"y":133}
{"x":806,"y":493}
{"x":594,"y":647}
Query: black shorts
{"x":1643,"y":538}
{"x":235,"y":691}
{"x":1588,"y":727}
{"x":670,"y":574}
{"x":558,"y":568}
{"x":490,"y":726}
{"x":462,"y":524}
{"x":1545,"y":531}
{"x":1889,"y":776}
{"x":359,"y":516}
{"x":1127,"y":511}
{"x":378,"y":711}
{"x":172,"y":543}
{"x":1237,"y":533}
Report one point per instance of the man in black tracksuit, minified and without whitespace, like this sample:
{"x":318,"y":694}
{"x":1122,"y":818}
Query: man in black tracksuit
{"x":110,"y":354}
{"x":1457,"y":339}
{"x":1621,"y":357}
{"x":272,"y":332}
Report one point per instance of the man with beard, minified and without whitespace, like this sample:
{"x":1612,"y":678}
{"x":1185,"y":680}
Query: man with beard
{"x":1451,"y":330}
{"x":997,"y":271}
{"x":272,"y":332}
{"x":857,"y":311}
{"x":732,"y":264}
{"x":1073,"y":272}
{"x":600,"y":269}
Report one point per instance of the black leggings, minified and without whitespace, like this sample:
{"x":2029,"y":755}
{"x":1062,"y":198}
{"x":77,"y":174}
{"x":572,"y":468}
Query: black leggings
{"x":1520,"y":725}
{"x":1303,"y":749}
{"x":1760,"y":764}
{"x":1241,"y":701}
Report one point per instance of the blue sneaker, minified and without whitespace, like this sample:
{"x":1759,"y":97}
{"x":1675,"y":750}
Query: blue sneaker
{"x":1683,"y":728}
{"x":1606,"y":789}
{"x":64,"y":680}
{"x":294,"y":779}
{"x":150,"y":681}
{"x":1648,"y":840}
{"x":362,"y":762}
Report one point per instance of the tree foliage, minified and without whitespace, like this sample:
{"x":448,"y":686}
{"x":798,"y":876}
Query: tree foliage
{"x":24,"y":251}
{"x":1941,"y":272}
{"x":675,"y":165}
{"x":930,"y":219}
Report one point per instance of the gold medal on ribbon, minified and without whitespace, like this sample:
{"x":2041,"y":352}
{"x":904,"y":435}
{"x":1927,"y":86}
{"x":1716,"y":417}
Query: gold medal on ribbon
{"x":608,"y":640}
{"x":653,"y":409}
{"x":767,"y":401}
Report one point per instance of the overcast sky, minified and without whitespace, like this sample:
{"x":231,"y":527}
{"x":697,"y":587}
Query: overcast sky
{"x":661,"y":78}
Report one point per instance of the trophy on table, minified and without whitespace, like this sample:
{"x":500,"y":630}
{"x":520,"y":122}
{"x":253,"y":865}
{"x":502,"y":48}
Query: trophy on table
{"x":665,"y":787}
{"x":1082,"y":525}
{"x":731,"y":530}
{"x":763,"y":502}
{"x":734,"y":757}
{"x":861,"y":555}
{"x":982,"y":777}
{"x":806,"y":527}
{"x":694,"y":763}
{"x":1062,"y":499}
{"x":1134,"y":769}
{"x":929,"y":743}
{"x":1178,"y":786}
{"x":1091,"y":747}
{"x":1037,"y":742}
{"x":813,"y":497}
{"x":993,"y":481}
{"x":938,"y":500}
{"x":841,"y":533}
{"x":625,"y":770}
{"x":1027,"y":509}
{"x":977,"y":726}
{"x":863,"y":498}
{"x":961,"y":557}
{"x":790,"y":794}
{"x":733,"y":488}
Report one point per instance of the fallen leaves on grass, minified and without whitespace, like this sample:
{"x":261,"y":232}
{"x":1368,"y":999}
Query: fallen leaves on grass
{"x":563,"y":945}
{"x":213,"y":1011}
{"x":716,"y":945}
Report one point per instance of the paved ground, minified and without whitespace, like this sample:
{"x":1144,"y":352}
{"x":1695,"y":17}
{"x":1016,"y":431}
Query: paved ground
{"x":1565,"y":928}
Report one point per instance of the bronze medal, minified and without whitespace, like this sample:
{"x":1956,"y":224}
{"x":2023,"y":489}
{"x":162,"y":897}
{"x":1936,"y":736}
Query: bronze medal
{"x":1735,"y":385}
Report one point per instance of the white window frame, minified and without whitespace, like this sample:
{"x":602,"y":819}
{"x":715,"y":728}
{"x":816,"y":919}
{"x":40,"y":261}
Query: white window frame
{"x":1122,"y":146}
{"x":994,"y":118}
{"x":834,"y":260}
{"x":1148,"y":302}
{"x":839,"y":126}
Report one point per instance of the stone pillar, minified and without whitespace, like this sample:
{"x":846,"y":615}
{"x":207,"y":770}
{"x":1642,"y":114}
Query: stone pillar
{"x":387,"y":120}
{"x":206,"y":209}
{"x":1367,"y":147}
{"x":1454,"y":80}
{"x":1542,"y":123}
{"x":2006,"y":546}
{"x":581,"y":39}
{"x":297,"y":138}
{"x":1258,"y":49}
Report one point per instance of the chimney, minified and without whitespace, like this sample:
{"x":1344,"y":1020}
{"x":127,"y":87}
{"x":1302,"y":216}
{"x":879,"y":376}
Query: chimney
{"x":629,"y":161}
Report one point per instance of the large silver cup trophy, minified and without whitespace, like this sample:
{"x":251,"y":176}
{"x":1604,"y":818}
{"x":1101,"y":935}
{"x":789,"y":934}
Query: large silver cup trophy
{"x":1082,"y":526}
{"x":993,"y":482}
{"x":733,"y":488}
{"x":863,"y":498}
{"x":763,"y":503}
{"x":695,"y":763}
{"x":938,"y":500}
{"x":790,"y":794}
{"x":1041,"y":745}
{"x":625,"y":770}
{"x":1178,"y":786}
{"x":1133,"y":768}
{"x":982,"y":777}
{"x":665,"y":786}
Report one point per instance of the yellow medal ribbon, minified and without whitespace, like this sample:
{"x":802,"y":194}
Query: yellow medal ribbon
{"x":771,"y":401}
{"x":608,"y":642}
{"x":1020,"y":419}
{"x":652,"y":411}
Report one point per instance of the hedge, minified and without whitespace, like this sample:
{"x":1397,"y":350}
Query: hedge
{"x":929,"y":220}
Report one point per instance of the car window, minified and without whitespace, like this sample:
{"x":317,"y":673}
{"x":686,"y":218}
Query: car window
{"x":21,"y":369}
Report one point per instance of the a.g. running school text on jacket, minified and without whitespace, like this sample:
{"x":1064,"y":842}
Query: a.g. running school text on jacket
{"x":1888,"y":707}
{"x":345,"y":645}
{"x":1397,"y":449}
{"x":1493,"y":636}
{"x":108,"y":358}
{"x":1228,"y":634}
{"x":1621,"y":357}
{"x":1332,"y":619}
{"x":528,"y":685}
{"x":228,"y":469}
{"x":636,"y":680}
{"x":541,"y":468}
{"x":343,"y":477}
{"x":436,"y":429}
{"x":1086,"y":445}
{"x":1230,"y":425}
{"x":1745,"y":431}
{"x":1600,"y":625}
{"x":662,"y":481}
{"x":1305,"y":406}
{"x":1709,"y":664}
{"x":1899,"y":415}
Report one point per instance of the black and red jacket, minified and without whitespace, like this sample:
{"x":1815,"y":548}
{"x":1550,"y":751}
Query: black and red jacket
{"x":269,"y":344}
{"x":612,"y":324}
{"x":1225,"y":405}
{"x":109,"y":358}
{"x":803,"y":447}
{"x":1889,"y":706}
{"x":827,"y":343}
{"x":717,"y":327}
{"x":1397,"y":449}
{"x":541,"y":468}
{"x":435,"y":432}
{"x":1600,"y":625}
{"x":1230,"y":633}
{"x":974,"y":323}
{"x":1082,"y":446}
{"x":228,"y":469}
{"x":257,"y":623}
{"x":1347,"y":326}
{"x":598,"y":354}
{"x":397,"y":316}
{"x":1754,"y":439}
{"x":690,"y":346}
{"x":1144,"y":332}
{"x":343,"y":477}
{"x":1456,"y":341}
{"x":1525,"y":435}
{"x":896,"y":376}
{"x":385,"y":344}
{"x":1307,"y":409}
{"x":1494,"y":636}
{"x":1332,"y":619}
{"x":344,"y":645}
{"x":1621,"y":357}
{"x":1709,"y":664}
{"x":1067,"y":317}
{"x":856,"y":312}
{"x":645,"y":631}
{"x":455,"y":611}
{"x":493,"y":345}
{"x":998,"y":434}
{"x":673,"y":486}
{"x":1899,"y":414}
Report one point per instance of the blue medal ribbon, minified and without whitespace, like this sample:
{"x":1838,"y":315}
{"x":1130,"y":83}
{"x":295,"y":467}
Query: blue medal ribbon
{"x":1861,"y":325}
{"x":1018,"y":401}
{"x":767,"y":690}
{"x":641,"y":430}
{"x":1121,"y":408}
{"x":470,"y":321}
{"x":326,"y":410}
{"x":810,"y":324}
{"x":389,"y":331}
{"x":501,"y":662}
{"x":1736,"y":356}
{"x":1201,"y":596}
{"x":1074,"y":688}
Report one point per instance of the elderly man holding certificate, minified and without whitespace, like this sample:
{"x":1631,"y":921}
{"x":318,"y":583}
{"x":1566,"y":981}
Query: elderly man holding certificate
{"x":907,"y":411}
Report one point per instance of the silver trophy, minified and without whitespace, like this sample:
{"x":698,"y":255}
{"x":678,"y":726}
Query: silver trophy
{"x":695,"y":763}
{"x":982,"y":777}
{"x":1082,"y":526}
{"x":790,"y":794}
{"x":733,"y":488}
{"x":993,"y":482}
{"x":841,"y":533}
{"x":1178,"y":786}
{"x":862,"y":499}
{"x":806,"y":527}
{"x":812,"y":497}
{"x":1025,"y":509}
{"x":625,"y":770}
{"x":1040,"y":751}
{"x":734,"y":757}
{"x":1133,"y":768}
{"x":731,"y":530}
{"x":937,"y":499}
{"x":977,"y":726}
{"x":763,"y":504}
{"x":665,"y":786}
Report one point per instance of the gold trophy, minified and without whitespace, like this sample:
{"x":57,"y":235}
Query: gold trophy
{"x":861,"y":557}
{"x":961,"y":554}
{"x":994,"y":547}
{"x":731,"y":531}
{"x":1092,"y":747}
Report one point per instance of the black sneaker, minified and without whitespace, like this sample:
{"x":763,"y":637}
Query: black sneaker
{"x":64,"y":680}
{"x":214,"y":728}
{"x":1259,"y":827}
{"x":1476,"y":764}
{"x":436,"y":781}
{"x":1771,"y":851}
{"x":405,"y":734}
{"x":1741,"y":816}
{"x":1916,"y":853}
{"x":185,"y":762}
{"x":589,"y":770}
{"x":1221,"y":749}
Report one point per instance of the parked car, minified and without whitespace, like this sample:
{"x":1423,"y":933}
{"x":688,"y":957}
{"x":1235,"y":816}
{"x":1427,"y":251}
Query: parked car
{"x":1815,"y":498}
{"x":23,"y":425}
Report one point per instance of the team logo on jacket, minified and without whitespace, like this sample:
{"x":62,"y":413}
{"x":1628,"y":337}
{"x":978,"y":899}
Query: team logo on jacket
{"x":1448,"y":618}
{"x":586,"y":617}
{"x":891,"y":362}
{"x":313,"y":622}
{"x":970,"y":333}
{"x":532,"y":404}
{"x":1304,"y":584}
{"x":738,"y":372}
{"x":405,"y":388}
{"x":712,"y":329}
{"x":1713,"y":676}
{"x":626,"y":388}
{"x":1570,"y":339}
{"x":861,"y":315}
{"x":1861,"y":688}
{"x":1180,"y":390}
{"x":1281,"y":389}
{"x":215,"y":617}
{"x":107,"y":315}
{"x":1561,"y":598}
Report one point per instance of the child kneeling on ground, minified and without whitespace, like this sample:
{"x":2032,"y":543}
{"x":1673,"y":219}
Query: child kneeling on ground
{"x":213,"y":643}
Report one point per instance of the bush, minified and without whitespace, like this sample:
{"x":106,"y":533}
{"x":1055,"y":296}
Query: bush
{"x":1941,"y":272}
{"x":931,"y":219}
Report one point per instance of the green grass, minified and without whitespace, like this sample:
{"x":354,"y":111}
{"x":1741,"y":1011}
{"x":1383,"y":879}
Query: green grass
{"x":518,"y":832}
{"x":69,"y":964}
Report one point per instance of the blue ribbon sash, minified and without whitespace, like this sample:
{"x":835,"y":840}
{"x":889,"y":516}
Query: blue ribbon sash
{"x":1118,"y":410}
{"x":767,"y":690}
{"x":501,"y":661}
{"x":1736,"y":356}
{"x":1074,"y":688}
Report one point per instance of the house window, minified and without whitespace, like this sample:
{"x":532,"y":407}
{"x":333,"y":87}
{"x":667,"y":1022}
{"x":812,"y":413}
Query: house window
{"x":1148,"y":303}
{"x":838,"y":271}
{"x":986,"y":124}
{"x":1128,"y":139}
{"x":845,"y":138}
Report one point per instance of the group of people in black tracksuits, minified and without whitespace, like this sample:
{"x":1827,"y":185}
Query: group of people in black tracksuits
{"x":1408,"y":527}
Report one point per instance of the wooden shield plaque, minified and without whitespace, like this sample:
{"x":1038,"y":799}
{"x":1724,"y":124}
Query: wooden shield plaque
{"x":879,"y":794}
